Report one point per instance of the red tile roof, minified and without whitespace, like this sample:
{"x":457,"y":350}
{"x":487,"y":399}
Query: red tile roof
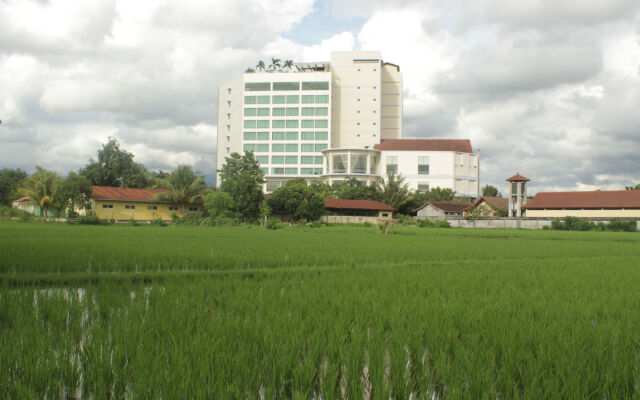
{"x":125,"y":194}
{"x":459,"y":145}
{"x":612,"y":199}
{"x":21,"y":199}
{"x":447,"y":206}
{"x":345,"y":204}
{"x":517,"y":177}
{"x":494,"y":202}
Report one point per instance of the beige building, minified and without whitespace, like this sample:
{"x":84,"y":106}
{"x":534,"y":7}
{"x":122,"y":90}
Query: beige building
{"x":327,"y":121}
{"x":592,"y":204}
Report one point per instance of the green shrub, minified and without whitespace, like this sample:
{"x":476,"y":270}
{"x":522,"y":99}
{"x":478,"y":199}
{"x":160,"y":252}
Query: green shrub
{"x":274,"y":223}
{"x":442,"y":224}
{"x":88,"y":219}
{"x":425,"y":223}
{"x":577,"y":224}
{"x":159,"y":222}
{"x":618,"y":225}
{"x":558,"y":225}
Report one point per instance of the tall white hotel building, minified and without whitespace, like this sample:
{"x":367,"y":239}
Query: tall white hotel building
{"x":333,"y":121}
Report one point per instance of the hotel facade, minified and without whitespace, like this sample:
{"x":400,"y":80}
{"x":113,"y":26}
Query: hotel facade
{"x":334,"y":121}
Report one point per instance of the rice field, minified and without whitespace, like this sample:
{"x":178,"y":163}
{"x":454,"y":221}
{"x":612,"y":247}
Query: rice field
{"x":338,"y":312}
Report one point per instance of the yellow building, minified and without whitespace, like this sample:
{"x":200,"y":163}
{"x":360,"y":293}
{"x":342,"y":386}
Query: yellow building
{"x":593,"y":204}
{"x":129,"y":204}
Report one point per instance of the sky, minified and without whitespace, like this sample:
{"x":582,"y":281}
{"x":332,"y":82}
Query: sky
{"x":547,"y":88}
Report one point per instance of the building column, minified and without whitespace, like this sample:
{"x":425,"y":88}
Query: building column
{"x":519,"y":199}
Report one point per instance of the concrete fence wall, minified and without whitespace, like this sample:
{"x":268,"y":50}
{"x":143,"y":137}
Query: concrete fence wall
{"x":510,"y":223}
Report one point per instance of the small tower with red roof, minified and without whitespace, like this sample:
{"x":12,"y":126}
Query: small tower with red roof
{"x":517,"y":194}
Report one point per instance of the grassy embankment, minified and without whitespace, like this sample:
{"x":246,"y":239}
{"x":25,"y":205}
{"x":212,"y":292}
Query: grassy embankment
{"x":235,"y":312}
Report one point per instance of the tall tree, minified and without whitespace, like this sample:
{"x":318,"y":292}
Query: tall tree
{"x":242,"y":178}
{"x":288,"y":65}
{"x":297,"y":200}
{"x":40,"y":188}
{"x":394,"y":191}
{"x":636,"y":187}
{"x":353,"y":189}
{"x":184,"y":186}
{"x":72,"y":193}
{"x":490,"y":191}
{"x":275,"y":64}
{"x":260,"y":66}
{"x":115,"y":167}
{"x":9,"y":182}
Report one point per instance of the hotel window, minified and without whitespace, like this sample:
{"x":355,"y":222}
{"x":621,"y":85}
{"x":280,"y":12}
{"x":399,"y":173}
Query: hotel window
{"x":291,"y":171}
{"x":318,"y":159}
{"x":340,"y":163}
{"x":322,"y":135}
{"x":262,"y":159}
{"x":277,"y":171}
{"x":322,"y":123}
{"x":107,"y":206}
{"x":306,"y":148}
{"x":263,"y":135}
{"x":293,"y":99}
{"x":306,"y":160}
{"x":423,"y":187}
{"x":320,"y":147}
{"x":292,"y":112}
{"x":278,"y":99}
{"x":249,"y":136}
{"x":278,"y":112}
{"x":256,"y":86}
{"x":249,"y":99}
{"x":292,"y":123}
{"x":249,"y":147}
{"x":263,"y":112}
{"x":263,"y":99}
{"x":392,"y":165}
{"x":277,"y":136}
{"x":307,"y":111}
{"x":322,"y":99}
{"x":265,"y":171}
{"x":423,"y":165}
{"x":263,"y":124}
{"x":173,"y":208}
{"x":278,"y":123}
{"x":249,"y":112}
{"x":307,"y":99}
{"x":292,"y":135}
{"x":277,"y":148}
{"x":315,"y":85}
{"x":322,"y":111}
{"x":262,"y":148}
{"x":307,"y":135}
{"x":358,"y":163}
{"x":286,"y":85}
{"x":291,"y":148}
{"x":291,"y":160}
{"x":277,"y":159}
{"x":317,"y":171}
{"x":249,"y":124}
{"x":129,"y":207}
{"x":306,"y":171}
{"x":307,"y":123}
{"x":152,"y":207}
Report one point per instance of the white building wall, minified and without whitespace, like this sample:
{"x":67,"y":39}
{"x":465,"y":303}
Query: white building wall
{"x":447,"y":169}
{"x":229,"y":121}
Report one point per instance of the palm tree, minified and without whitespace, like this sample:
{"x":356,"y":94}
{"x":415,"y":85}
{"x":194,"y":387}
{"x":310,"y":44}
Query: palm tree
{"x":249,"y":70}
{"x":40,"y":188}
{"x":184,"y":186}
{"x":260,"y":66}
{"x":275,"y":64}
{"x":288,"y":64}
{"x":395,"y":191}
